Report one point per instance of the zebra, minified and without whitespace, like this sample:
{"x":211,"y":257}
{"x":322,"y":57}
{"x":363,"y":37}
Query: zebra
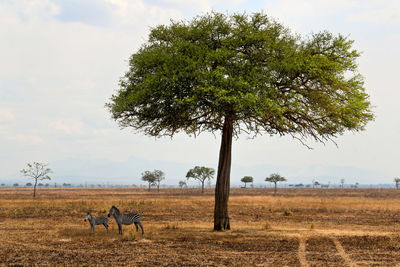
{"x":96,"y":221}
{"x":126,"y":219}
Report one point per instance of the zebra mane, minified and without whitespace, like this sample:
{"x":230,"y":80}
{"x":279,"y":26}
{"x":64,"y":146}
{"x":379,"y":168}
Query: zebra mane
{"x":116,"y":209}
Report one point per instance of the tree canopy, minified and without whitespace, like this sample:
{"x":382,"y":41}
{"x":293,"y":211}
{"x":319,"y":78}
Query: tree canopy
{"x":190,"y":75}
{"x":241,"y":73}
{"x":37,"y":171}
{"x":275,"y":178}
{"x":201,"y":174}
{"x":247,"y":179}
{"x":153,"y":178}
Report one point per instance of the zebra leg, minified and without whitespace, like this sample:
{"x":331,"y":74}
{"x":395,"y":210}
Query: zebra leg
{"x":137,"y":228}
{"x":120,"y":229}
{"x":106,"y":226}
{"x":140,"y":224}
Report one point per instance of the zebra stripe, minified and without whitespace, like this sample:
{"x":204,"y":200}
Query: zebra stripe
{"x":93,"y":221}
{"x":126,"y":219}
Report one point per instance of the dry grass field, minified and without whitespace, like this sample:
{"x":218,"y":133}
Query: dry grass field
{"x":297,"y":227}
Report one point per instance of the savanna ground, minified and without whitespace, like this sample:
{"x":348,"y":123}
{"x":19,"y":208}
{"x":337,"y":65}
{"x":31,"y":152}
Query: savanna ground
{"x":297,"y":227}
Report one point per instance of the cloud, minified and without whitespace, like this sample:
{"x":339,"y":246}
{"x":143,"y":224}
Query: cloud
{"x":371,"y":11}
{"x":6,"y":115}
{"x":35,"y":9}
{"x":70,"y":126}
{"x":26,"y":139}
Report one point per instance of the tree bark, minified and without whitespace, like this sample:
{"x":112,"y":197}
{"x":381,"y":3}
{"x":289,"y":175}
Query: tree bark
{"x":275,"y":189}
{"x":149,"y":187}
{"x":221,"y":217}
{"x":202,"y":187}
{"x":34,"y":189}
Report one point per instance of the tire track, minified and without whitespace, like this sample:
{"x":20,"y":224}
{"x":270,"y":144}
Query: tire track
{"x":302,"y":252}
{"x":342,"y":253}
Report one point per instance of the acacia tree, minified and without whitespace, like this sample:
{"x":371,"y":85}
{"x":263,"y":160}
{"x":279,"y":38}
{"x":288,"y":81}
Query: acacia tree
{"x":241,"y":73}
{"x":159,"y":175}
{"x":149,"y":177}
{"x":182,"y":184}
{"x":37,"y":171}
{"x":153,"y":178}
{"x":275,"y":178}
{"x":397,"y":182}
{"x":201,"y":174}
{"x":246,"y":179}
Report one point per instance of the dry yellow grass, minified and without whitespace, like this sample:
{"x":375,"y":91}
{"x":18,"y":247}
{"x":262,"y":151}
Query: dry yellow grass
{"x":294,"y":228}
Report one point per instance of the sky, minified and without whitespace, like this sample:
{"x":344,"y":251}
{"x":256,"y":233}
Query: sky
{"x":61,"y":60}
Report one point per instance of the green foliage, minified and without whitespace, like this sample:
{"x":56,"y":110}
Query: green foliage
{"x":275,"y":178}
{"x":153,"y":178}
{"x":200,"y":173}
{"x":247,"y":179}
{"x":182,"y":184}
{"x":287,"y":212}
{"x":190,"y":75}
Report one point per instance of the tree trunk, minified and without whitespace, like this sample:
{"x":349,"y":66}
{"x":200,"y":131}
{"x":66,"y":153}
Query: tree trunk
{"x":202,"y":187}
{"x":221,"y":218}
{"x":149,"y":187}
{"x":245,"y":185}
{"x":275,"y":189}
{"x":158,"y":187}
{"x":34,"y":189}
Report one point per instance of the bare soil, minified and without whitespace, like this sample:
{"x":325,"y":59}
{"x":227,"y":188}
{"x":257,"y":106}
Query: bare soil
{"x":295,"y":227}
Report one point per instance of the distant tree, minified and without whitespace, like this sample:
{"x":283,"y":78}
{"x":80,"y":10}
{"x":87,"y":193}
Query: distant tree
{"x":397,"y":182}
{"x":153,"y":178}
{"x":241,"y":73}
{"x":342,"y":182}
{"x":356,"y":184}
{"x":275,"y":178}
{"x":16,"y":185}
{"x":3,"y":184}
{"x":40,"y":184}
{"x":246,"y":179}
{"x":182,"y":184}
{"x":46,"y":185}
{"x":38,"y":172}
{"x":149,"y":177}
{"x":159,"y":177}
{"x":316,"y":183}
{"x":28,"y":184}
{"x":201,"y":174}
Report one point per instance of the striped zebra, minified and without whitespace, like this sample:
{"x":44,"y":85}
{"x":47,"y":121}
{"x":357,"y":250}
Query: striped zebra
{"x":96,"y":221}
{"x":126,"y":219}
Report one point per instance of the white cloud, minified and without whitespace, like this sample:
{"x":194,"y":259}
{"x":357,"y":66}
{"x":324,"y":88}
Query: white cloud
{"x":372,"y":11}
{"x":36,"y":9}
{"x":6,"y":115}
{"x":379,"y":12}
{"x":26,"y":139}
{"x":70,"y":126}
{"x":137,"y":12}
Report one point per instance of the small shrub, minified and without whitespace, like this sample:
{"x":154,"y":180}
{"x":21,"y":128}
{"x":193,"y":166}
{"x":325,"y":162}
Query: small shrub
{"x":312,"y":226}
{"x":171,"y":227}
{"x":267,"y":226}
{"x":287,"y":212}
